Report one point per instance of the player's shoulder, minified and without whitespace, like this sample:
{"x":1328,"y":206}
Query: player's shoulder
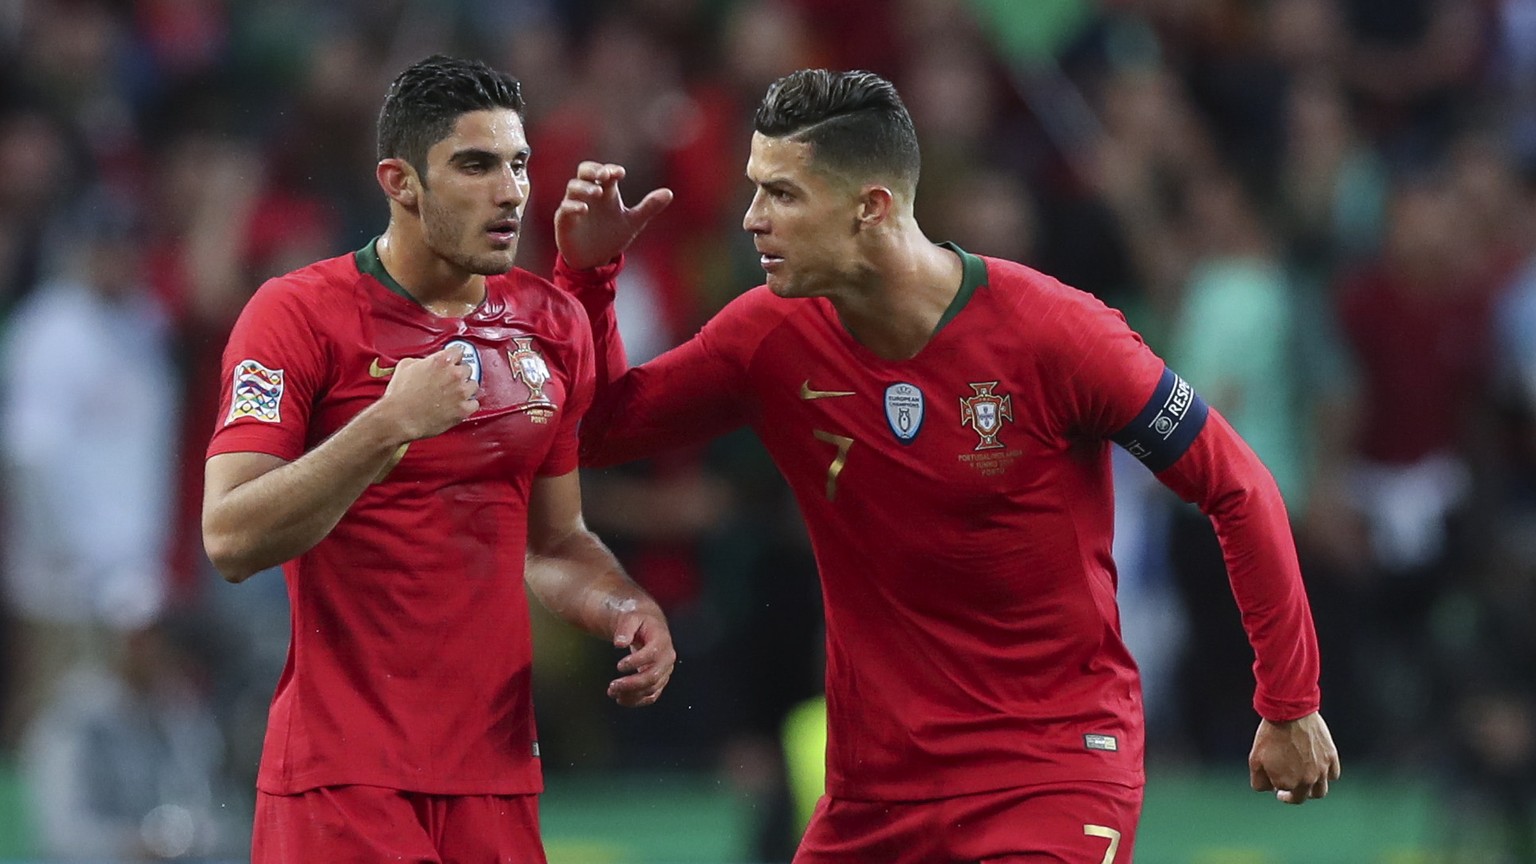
{"x":1038,"y":296}
{"x":313,"y":287}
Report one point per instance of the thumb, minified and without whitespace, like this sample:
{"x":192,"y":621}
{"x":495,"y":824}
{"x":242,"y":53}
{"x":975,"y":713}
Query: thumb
{"x":624,"y":634}
{"x":649,"y":207}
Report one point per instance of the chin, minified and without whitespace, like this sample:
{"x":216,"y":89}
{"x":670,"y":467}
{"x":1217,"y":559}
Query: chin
{"x":491,"y":265}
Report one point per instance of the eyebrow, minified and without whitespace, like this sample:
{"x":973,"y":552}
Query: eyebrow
{"x":774,"y":184}
{"x":477,"y":154}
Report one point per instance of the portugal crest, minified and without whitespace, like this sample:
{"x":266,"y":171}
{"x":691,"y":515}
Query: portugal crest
{"x":985,"y":412}
{"x":528,"y":366}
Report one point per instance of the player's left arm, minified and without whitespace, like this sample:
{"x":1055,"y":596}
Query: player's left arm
{"x":1197,"y":453}
{"x":1116,"y":387}
{"x":577,"y":578}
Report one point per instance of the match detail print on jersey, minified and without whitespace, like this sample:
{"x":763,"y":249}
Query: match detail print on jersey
{"x":258,"y":393}
{"x":1167,"y":425}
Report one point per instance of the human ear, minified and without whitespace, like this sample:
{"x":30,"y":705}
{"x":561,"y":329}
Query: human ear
{"x":875,"y":204}
{"x":398,"y":180}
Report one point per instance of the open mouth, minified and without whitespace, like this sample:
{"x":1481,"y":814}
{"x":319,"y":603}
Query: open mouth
{"x":502,"y":231}
{"x":770,"y":262}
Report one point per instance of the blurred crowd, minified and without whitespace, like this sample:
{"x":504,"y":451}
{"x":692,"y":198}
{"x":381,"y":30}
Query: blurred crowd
{"x":1321,"y":212}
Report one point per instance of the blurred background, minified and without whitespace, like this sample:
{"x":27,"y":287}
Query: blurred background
{"x":1320,"y":212}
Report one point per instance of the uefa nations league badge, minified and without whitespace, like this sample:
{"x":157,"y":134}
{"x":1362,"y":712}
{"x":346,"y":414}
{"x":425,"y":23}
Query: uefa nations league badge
{"x":904,"y":410}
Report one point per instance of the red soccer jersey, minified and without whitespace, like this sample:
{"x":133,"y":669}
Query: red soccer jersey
{"x":410,"y":660}
{"x":960,"y":507}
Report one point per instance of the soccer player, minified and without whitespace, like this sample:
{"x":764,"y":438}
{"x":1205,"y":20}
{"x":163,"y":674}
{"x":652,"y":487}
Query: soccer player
{"x":944,"y":421}
{"x":398,"y":430}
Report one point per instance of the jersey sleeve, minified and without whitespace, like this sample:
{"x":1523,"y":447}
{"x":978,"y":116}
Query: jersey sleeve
{"x":1222,"y":475}
{"x":688,"y":395}
{"x":273,"y":366}
{"x":594,"y":289}
{"x":1117,"y":388}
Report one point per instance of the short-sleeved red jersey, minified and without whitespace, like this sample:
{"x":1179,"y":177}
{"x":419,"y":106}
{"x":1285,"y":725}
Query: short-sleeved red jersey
{"x":410,"y":660}
{"x":960,"y":507}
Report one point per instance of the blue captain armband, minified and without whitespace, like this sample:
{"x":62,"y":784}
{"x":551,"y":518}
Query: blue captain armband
{"x":1166,"y":426}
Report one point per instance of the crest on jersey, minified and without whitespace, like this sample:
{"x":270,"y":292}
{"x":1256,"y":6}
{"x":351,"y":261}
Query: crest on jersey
{"x":471,"y":357}
{"x":528,"y":366}
{"x":257,"y":393}
{"x":985,"y":412}
{"x":904,"y":410}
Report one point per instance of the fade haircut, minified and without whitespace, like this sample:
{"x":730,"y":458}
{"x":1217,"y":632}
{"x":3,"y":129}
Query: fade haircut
{"x":854,"y":122}
{"x":427,"y":99}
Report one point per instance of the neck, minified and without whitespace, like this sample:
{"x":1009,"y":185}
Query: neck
{"x":908,"y":286}
{"x":437,"y":284}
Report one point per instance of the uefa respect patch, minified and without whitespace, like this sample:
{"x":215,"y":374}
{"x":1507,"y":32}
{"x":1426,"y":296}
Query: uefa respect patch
{"x":258,"y":393}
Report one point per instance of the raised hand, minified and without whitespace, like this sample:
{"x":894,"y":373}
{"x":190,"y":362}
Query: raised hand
{"x":592,"y":225}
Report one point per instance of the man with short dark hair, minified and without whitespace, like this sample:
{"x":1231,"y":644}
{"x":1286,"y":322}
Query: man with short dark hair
{"x":398,"y":430}
{"x":944,"y":421}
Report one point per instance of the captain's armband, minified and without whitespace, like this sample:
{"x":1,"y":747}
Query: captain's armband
{"x":1166,"y":426}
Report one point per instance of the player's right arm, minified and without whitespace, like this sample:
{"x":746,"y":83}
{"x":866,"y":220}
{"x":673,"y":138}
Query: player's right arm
{"x":260,"y":510}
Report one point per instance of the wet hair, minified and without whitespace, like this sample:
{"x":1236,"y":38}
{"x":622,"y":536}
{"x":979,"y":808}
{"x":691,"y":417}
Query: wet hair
{"x":855,"y":123}
{"x":427,"y":99}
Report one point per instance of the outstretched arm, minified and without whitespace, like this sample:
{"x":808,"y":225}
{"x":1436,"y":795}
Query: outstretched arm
{"x":575,"y":576}
{"x":686,"y":396}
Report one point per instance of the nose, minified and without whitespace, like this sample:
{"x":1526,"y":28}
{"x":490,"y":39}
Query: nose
{"x":511,"y":187}
{"x":754,"y":220}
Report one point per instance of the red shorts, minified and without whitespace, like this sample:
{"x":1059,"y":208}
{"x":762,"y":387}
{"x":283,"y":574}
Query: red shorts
{"x":344,"y":824}
{"x":1055,"y":823}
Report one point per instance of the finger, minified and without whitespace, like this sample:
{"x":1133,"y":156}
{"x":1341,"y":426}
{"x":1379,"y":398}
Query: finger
{"x":1320,"y":788}
{"x":583,"y":190}
{"x":589,"y":170}
{"x":1296,"y":796}
{"x":633,"y":688}
{"x":1335,"y":767}
{"x":610,"y":173}
{"x":649,"y":207}
{"x":1259,"y":780}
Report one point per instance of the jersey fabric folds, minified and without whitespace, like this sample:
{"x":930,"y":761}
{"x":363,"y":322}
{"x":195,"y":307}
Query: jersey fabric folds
{"x":410,"y":660}
{"x":960,"y":506}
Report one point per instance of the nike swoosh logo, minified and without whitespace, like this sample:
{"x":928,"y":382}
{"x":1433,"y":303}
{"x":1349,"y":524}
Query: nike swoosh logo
{"x":377,"y":371}
{"x":808,"y":394}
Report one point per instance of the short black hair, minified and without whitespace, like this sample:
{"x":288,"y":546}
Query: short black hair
{"x":854,"y":122}
{"x":427,"y":99}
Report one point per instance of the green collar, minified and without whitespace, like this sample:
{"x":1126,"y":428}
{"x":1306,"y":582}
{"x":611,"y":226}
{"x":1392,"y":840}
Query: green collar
{"x":973,"y":276}
{"x":368,"y":262}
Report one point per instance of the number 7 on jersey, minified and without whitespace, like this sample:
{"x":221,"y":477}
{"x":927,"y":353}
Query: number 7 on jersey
{"x":842,"y":443}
